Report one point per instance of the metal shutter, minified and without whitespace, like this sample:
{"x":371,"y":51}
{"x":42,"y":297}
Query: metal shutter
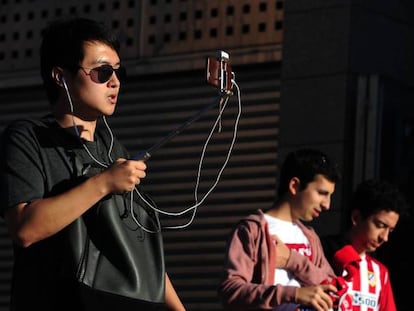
{"x":157,"y":105}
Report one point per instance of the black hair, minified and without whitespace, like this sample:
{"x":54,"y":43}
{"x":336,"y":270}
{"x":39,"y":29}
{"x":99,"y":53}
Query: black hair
{"x":63,"y":46}
{"x":305,"y":164}
{"x":372,"y":196}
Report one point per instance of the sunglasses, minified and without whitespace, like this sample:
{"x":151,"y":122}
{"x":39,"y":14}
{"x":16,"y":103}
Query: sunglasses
{"x":103,"y":73}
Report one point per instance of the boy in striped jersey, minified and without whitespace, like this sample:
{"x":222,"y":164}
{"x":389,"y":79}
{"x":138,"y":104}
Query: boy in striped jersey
{"x":376,"y":207}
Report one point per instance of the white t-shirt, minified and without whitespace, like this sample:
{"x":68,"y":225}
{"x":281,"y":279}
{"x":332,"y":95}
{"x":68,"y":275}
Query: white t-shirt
{"x":293,"y":237}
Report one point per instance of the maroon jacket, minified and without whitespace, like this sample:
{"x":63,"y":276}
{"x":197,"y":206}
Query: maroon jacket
{"x":250,"y":265}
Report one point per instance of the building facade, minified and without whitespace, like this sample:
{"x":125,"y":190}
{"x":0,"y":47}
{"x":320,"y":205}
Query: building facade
{"x":335,"y":75}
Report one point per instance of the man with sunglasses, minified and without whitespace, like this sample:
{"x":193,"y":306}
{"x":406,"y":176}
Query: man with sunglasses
{"x":84,"y":235}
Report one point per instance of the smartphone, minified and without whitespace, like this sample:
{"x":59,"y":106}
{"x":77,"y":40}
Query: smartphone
{"x":219,"y":73}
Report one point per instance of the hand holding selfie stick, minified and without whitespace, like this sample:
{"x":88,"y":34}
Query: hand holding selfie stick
{"x":219,"y":74}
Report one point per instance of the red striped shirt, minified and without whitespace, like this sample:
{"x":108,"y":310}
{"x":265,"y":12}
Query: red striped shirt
{"x":371,"y":288}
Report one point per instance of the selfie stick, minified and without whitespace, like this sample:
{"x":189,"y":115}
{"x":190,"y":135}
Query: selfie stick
{"x":145,"y":155}
{"x":225,"y":91}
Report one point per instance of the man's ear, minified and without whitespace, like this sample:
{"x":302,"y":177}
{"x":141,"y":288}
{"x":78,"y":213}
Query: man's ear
{"x":57,"y":75}
{"x":294,"y":185}
{"x":355,"y":217}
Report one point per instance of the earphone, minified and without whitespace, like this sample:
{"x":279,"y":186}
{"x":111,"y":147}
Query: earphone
{"x":61,"y":78}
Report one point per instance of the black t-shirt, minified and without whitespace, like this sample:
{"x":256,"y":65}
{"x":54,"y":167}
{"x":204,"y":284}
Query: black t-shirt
{"x":104,"y":259}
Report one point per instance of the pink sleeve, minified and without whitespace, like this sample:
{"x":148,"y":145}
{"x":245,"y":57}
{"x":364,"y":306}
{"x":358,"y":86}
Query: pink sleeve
{"x":244,"y":284}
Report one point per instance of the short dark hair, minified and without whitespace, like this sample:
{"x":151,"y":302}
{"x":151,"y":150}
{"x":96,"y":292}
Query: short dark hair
{"x":63,"y":43}
{"x":305,"y":164}
{"x":373,"y":195}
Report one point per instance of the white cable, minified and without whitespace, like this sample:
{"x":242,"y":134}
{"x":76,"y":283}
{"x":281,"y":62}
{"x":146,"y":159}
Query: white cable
{"x":198,"y":203}
{"x":111,"y":145}
{"x":137,"y":222}
{"x":194,"y":207}
{"x":109,"y":149}
{"x":78,"y":134}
